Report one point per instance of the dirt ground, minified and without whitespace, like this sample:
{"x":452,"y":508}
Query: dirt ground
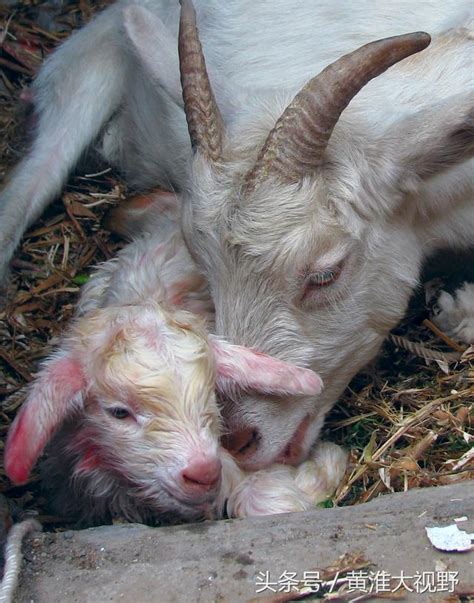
{"x":359,"y":551}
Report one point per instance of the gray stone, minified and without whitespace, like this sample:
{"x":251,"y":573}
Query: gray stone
{"x":219,"y":561}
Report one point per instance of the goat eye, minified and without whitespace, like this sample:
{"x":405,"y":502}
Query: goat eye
{"x":118,"y":412}
{"x":315,"y":281}
{"x":323,"y":278}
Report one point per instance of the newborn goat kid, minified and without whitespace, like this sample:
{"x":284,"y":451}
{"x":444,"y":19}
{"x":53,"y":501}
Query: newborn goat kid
{"x":132,"y":388}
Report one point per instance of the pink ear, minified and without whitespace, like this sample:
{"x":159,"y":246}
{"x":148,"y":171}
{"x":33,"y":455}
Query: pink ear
{"x":256,"y":371}
{"x":51,"y":398}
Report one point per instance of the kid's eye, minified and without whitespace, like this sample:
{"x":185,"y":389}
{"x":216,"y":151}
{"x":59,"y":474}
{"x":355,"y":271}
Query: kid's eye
{"x":118,"y":412}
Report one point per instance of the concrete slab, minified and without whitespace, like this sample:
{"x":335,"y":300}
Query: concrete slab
{"x":221,"y":561}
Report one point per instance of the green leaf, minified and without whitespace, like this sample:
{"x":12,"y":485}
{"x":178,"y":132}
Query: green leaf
{"x":326,"y":504}
{"x":81,"y":279}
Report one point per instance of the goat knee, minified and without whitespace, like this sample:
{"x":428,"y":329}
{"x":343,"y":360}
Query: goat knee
{"x":267,"y":493}
{"x":319,"y":477}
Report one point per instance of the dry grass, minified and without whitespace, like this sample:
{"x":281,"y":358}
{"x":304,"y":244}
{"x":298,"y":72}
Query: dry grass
{"x":407,"y":422}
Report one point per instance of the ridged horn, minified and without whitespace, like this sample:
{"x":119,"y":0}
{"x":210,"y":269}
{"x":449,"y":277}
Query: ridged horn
{"x":205,"y":123}
{"x":296,"y":144}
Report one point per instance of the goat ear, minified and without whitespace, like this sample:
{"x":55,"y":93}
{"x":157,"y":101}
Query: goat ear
{"x":433,"y":140}
{"x":242,"y":367}
{"x":156,"y":48}
{"x":54,"y":394}
{"x":154,"y":213}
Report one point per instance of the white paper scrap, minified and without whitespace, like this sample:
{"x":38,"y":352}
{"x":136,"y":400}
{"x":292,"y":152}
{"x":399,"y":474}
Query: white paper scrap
{"x":450,"y":538}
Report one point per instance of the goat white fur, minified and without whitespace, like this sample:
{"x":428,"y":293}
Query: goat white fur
{"x":315,"y":271}
{"x":131,"y":390}
{"x":455,"y":313}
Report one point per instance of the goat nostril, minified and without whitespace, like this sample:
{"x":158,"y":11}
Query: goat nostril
{"x":243,"y":442}
{"x":202,"y":474}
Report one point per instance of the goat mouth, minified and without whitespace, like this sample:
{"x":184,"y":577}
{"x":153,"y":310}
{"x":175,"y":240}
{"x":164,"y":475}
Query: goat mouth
{"x":292,"y":453}
{"x":243,"y":447}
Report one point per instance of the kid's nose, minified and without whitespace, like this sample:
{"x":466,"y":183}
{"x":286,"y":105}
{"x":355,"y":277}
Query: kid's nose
{"x":202,"y":474}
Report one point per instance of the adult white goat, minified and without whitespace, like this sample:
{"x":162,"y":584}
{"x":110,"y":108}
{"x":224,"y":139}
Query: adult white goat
{"x":310,"y":226}
{"x":128,"y":402}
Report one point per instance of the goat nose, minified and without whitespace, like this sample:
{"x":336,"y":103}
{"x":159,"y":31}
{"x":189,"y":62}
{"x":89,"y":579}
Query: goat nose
{"x":202,"y":474}
{"x":243,"y":442}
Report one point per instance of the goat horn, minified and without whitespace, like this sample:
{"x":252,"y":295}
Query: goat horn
{"x":296,"y":144}
{"x":205,"y":123}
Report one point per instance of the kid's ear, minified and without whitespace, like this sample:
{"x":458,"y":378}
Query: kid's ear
{"x":250,"y":370}
{"x":55,"y":393}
